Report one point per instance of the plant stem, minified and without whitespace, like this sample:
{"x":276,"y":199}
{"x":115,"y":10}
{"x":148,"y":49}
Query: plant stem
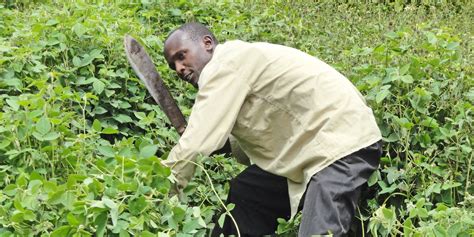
{"x":217,"y":195}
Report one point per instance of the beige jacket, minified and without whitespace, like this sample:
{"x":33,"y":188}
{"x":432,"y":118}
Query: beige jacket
{"x":291,"y":113}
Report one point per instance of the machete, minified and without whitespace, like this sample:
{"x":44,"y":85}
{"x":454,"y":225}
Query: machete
{"x":145,"y":69}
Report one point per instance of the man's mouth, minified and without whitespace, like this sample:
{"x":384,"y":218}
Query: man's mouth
{"x":188,"y":77}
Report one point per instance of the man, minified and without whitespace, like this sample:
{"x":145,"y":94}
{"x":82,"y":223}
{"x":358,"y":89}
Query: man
{"x":306,"y":129}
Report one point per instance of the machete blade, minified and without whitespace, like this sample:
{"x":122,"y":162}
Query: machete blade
{"x":145,"y":69}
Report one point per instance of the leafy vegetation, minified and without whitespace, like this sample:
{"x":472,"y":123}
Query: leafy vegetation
{"x":81,"y":140}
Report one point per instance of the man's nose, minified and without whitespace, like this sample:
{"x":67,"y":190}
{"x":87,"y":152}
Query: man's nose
{"x":180,"y":68}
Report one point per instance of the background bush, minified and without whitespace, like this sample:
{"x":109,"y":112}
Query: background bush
{"x":81,"y":139}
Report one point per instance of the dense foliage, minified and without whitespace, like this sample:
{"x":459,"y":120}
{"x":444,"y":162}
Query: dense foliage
{"x":81,"y":139}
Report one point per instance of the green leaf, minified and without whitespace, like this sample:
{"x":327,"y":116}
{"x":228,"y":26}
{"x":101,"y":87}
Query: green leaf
{"x":230,"y":206}
{"x":221,"y":220}
{"x":419,"y":209}
{"x":433,"y":188}
{"x":408,"y":79}
{"x":392,"y":174}
{"x":18,"y":204}
{"x":88,"y":58}
{"x":140,"y":115}
{"x":98,"y":86}
{"x":124,"y":233}
{"x":109,"y":203}
{"x":76,"y":61}
{"x":388,"y":213}
{"x":101,"y":222}
{"x":109,"y":130}
{"x":10,"y":190}
{"x":440,"y":231}
{"x":43,"y":126}
{"x":431,"y":37}
{"x":452,"y":46}
{"x":373,"y":179}
{"x":191,"y":225}
{"x":196,"y":211}
{"x":46,"y":137}
{"x":79,"y":29}
{"x":51,"y":22}
{"x":72,"y":219}
{"x":455,"y":229}
{"x":383,"y":93}
{"x":29,"y":215}
{"x":17,"y":217}
{"x":405,"y":123}
{"x":106,"y":151}
{"x":123,"y":118}
{"x":430,"y":122}
{"x":96,"y":125}
{"x":53,"y":41}
{"x":441,"y":207}
{"x":99,"y":110}
{"x":202,"y":222}
{"x":184,"y":235}
{"x":113,"y":208}
{"x":386,"y":189}
{"x":466,"y":149}
{"x":136,"y":206}
{"x":450,"y":185}
{"x":391,"y":35}
{"x":14,"y":82}
{"x":148,"y":151}
{"x":109,"y":93}
{"x":149,"y":234}
{"x":22,"y":181}
{"x":408,"y":227}
{"x":34,"y":185}
{"x":404,"y":69}
{"x":61,"y":231}
{"x":4,"y":143}
{"x":175,"y":11}
{"x":13,"y":103}
{"x":178,"y":214}
{"x":124,"y":105}
{"x":120,"y":226}
{"x":38,"y":136}
{"x":83,"y":81}
{"x":68,"y":199}
{"x":420,"y":203}
{"x":51,"y":136}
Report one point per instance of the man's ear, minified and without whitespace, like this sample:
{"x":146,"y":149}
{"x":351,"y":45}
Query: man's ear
{"x":208,"y":42}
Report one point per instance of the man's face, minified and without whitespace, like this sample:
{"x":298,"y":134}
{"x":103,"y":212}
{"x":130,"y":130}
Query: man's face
{"x":188,"y":57}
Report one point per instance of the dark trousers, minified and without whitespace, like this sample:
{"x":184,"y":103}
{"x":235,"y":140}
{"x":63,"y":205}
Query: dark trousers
{"x":328,"y":206}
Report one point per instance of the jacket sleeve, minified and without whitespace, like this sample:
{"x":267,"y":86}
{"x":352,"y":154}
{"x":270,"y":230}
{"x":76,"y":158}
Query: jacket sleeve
{"x":213,"y":115}
{"x":237,"y":151}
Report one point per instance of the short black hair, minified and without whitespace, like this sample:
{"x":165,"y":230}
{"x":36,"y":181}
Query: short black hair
{"x":195,"y":30}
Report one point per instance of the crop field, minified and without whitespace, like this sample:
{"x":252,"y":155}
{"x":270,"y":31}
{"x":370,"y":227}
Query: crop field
{"x":81,"y":139}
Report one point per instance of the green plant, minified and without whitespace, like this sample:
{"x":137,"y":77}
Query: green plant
{"x":81,"y":140}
